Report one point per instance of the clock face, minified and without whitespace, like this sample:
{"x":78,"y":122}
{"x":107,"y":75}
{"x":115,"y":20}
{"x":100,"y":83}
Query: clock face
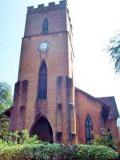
{"x":43,"y":46}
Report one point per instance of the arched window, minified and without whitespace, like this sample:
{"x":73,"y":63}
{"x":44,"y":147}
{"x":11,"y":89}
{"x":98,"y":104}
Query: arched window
{"x":42,"y":86}
{"x":45,"y":26}
{"x":88,"y":129}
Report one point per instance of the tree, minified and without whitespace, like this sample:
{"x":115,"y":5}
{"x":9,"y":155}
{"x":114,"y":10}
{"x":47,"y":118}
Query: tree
{"x":5,"y":96}
{"x":4,"y":127}
{"x":114,"y":51}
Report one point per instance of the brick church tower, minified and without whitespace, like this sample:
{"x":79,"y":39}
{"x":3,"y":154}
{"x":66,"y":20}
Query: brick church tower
{"x":44,"y":94}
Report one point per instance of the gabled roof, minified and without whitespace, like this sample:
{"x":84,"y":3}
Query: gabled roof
{"x":90,"y":96}
{"x":105,"y":101}
{"x":110,"y":101}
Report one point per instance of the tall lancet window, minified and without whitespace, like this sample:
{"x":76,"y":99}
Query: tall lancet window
{"x":42,"y":86}
{"x":88,"y":129}
{"x":45,"y":26}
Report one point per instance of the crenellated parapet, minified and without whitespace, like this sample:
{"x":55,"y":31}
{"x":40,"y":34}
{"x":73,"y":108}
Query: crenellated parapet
{"x":51,"y":6}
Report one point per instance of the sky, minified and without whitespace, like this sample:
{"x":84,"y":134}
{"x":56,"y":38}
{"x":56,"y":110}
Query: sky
{"x":94,"y":23}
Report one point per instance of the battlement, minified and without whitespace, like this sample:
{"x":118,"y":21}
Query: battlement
{"x":51,"y":6}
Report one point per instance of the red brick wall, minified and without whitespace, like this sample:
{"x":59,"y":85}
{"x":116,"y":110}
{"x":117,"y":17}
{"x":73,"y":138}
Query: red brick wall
{"x":58,"y":65}
{"x":112,"y":125}
{"x":59,"y":60}
{"x":85,"y":106}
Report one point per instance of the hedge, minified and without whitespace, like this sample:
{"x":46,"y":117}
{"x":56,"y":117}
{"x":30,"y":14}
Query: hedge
{"x":56,"y":152}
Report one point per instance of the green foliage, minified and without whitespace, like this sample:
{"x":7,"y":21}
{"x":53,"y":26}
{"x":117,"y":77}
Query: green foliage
{"x":117,"y":144}
{"x":21,"y":138}
{"x":56,"y":152}
{"x":24,"y":138}
{"x":5,"y":96}
{"x":114,"y":50}
{"x":104,"y":140}
{"x":10,"y":138}
{"x":20,"y":146}
{"x":4,"y":127}
{"x":95,"y":152}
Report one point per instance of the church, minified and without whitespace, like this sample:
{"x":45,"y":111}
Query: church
{"x":46,"y":100}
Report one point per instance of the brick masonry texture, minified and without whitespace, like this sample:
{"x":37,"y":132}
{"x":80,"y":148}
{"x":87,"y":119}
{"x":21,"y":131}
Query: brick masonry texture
{"x":65,"y":107}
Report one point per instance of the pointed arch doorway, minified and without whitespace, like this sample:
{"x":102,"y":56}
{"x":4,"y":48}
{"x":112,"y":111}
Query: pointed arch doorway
{"x":43,"y":130}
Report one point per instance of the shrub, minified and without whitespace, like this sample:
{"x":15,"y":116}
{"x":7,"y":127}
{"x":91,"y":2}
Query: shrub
{"x":24,"y":138}
{"x":4,"y":127}
{"x":13,"y":138}
{"x":88,"y":152}
{"x":10,"y":152}
{"x":56,"y":152}
{"x":104,"y":140}
{"x":117,"y":144}
{"x":93,"y":152}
